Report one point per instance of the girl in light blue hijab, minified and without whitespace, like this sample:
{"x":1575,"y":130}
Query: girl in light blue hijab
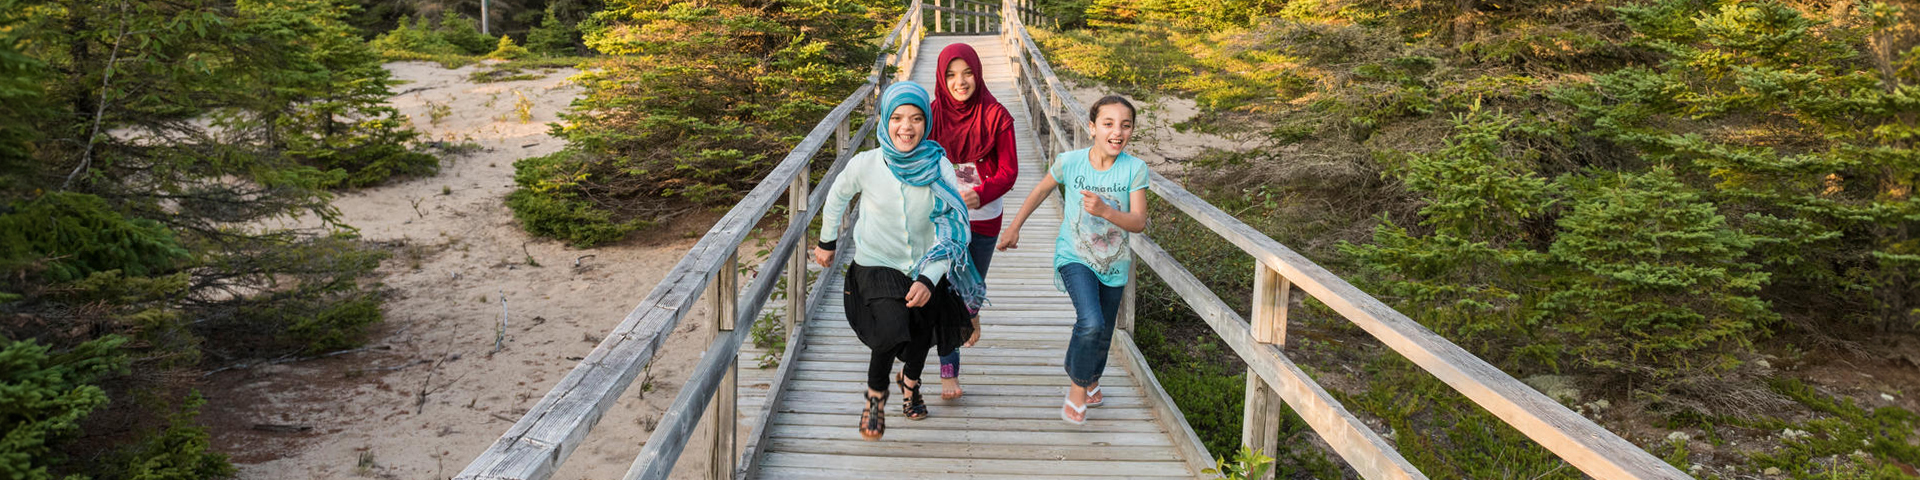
{"x":912,"y":284}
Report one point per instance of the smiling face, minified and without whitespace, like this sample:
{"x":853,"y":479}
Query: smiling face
{"x":906,"y":126}
{"x":1112,"y":129}
{"x":959,"y":80}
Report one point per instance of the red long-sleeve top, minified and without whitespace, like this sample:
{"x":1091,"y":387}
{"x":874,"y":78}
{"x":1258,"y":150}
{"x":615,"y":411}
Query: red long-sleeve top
{"x":998,"y":169}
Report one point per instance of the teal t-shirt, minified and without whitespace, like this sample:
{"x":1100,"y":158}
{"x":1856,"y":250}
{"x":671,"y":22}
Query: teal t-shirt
{"x":1086,"y":239}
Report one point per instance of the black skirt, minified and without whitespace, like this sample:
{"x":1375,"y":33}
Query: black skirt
{"x":884,"y":328}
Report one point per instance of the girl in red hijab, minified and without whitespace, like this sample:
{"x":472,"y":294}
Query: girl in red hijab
{"x":978,"y":135}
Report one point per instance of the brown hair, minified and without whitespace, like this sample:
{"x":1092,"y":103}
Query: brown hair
{"x":1093,"y":112}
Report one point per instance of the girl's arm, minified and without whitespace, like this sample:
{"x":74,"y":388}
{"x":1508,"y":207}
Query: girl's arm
{"x":1010,"y":236}
{"x":1132,"y":221}
{"x":1006,"y":167}
{"x":843,"y":190}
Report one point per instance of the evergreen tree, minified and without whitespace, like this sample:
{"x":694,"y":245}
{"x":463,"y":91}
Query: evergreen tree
{"x":1789,"y":119}
{"x":552,"y":38}
{"x":698,"y":101}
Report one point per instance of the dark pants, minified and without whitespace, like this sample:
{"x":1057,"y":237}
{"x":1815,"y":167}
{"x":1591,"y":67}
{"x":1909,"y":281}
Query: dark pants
{"x":981,"y":249}
{"x":913,"y":352}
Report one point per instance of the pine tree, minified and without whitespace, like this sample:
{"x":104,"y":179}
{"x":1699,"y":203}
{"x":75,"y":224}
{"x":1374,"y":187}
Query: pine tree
{"x":698,"y":99}
{"x":1655,"y":276}
{"x":1789,"y":119}
{"x":552,"y":38}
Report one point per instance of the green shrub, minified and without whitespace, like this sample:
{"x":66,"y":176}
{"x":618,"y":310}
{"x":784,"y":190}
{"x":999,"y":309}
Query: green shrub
{"x":700,"y":102}
{"x":72,"y":235}
{"x":43,"y":396}
{"x":1847,"y":441}
{"x":465,"y":33}
{"x":318,"y":300}
{"x":416,"y":37}
{"x":553,"y":38}
{"x":507,"y":50}
{"x":1443,"y":433}
{"x":453,"y":34}
{"x":181,"y":451}
{"x":547,"y":202}
{"x":1654,"y":278}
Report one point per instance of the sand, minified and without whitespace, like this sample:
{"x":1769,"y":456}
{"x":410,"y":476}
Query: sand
{"x":458,"y":254}
{"x":1155,"y":140}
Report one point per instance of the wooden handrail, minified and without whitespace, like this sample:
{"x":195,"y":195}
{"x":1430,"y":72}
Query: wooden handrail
{"x":1577,"y":440}
{"x":670,"y":436}
{"x":535,"y":446}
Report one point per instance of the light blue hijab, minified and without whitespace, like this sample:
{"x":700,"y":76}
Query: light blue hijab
{"x":920,"y":167}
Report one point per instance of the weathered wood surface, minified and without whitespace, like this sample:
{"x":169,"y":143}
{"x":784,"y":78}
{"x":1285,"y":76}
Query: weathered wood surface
{"x":657,"y":458}
{"x":1008,"y":424}
{"x":1574,"y":438}
{"x":535,"y":446}
{"x":543,"y":438}
{"x":1363,"y":449}
{"x":1579,"y":441}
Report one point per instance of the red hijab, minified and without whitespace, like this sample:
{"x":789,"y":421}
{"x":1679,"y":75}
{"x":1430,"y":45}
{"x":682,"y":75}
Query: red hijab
{"x":966,"y":129}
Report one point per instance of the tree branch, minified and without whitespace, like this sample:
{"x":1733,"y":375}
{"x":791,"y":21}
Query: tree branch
{"x":99,"y":113}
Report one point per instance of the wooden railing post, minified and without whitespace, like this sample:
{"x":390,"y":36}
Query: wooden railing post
{"x":1270,"y":299}
{"x":797,"y":266}
{"x":1125,"y":317}
{"x":721,"y":413}
{"x":938,"y":18}
{"x":1261,"y":427}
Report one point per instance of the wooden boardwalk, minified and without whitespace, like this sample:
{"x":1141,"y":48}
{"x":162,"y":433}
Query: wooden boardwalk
{"x":1008,"y":424}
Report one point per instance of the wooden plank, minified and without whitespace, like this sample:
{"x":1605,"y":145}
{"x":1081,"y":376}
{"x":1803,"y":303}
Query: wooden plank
{"x":1260,"y":420}
{"x":1007,"y":467}
{"x":1579,"y":441}
{"x":1363,"y":449}
{"x":656,"y":459}
{"x":722,"y":416}
{"x":1270,"y":292}
{"x":971,"y":401}
{"x":963,"y":423}
{"x":915,"y":450}
{"x":1014,"y":382}
{"x":962,"y":12}
{"x":827,"y":285}
{"x":544,"y":437}
{"x":816,"y":472}
{"x":1165,"y":410}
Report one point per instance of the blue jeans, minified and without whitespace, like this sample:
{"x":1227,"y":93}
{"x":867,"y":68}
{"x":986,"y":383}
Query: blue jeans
{"x":981,"y":249}
{"x":1095,"y":306}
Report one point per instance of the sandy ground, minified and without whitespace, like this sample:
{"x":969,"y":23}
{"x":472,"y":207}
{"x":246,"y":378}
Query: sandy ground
{"x":458,"y":256}
{"x":1155,"y":139}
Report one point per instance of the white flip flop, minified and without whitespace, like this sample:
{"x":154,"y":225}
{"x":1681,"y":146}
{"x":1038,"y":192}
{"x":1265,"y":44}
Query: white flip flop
{"x":1079,"y":409}
{"x":1095,"y":403}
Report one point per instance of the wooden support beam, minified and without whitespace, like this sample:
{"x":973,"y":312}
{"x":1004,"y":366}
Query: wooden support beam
{"x":1270,"y":299}
{"x":722,"y":415}
{"x":1364,"y":450}
{"x":1579,"y":441}
{"x":1124,"y":318}
{"x":1260,"y":427}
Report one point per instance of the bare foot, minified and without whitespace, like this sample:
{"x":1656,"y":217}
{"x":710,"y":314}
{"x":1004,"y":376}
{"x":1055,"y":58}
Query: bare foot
{"x":950,"y":388}
{"x":976,"y":334}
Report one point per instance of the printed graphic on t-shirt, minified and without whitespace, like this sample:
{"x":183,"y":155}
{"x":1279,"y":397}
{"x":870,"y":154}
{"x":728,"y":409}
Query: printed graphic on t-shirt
{"x":969,"y":175}
{"x":1099,"y":242}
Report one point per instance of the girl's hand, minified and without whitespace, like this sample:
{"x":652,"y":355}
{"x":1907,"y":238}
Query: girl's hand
{"x":972,"y":198}
{"x":918,"y":295}
{"x":1090,"y":203}
{"x":1009,"y":239}
{"x":822,"y":256}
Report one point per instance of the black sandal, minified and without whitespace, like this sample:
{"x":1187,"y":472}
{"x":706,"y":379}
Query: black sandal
{"x":873,"y":420}
{"x":910,"y":402}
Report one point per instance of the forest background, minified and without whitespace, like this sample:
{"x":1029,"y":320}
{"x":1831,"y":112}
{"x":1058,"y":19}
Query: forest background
{"x":1692,"y":221}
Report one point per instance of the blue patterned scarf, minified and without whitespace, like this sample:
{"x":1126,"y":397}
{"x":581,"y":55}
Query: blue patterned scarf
{"x":920,"y":167}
